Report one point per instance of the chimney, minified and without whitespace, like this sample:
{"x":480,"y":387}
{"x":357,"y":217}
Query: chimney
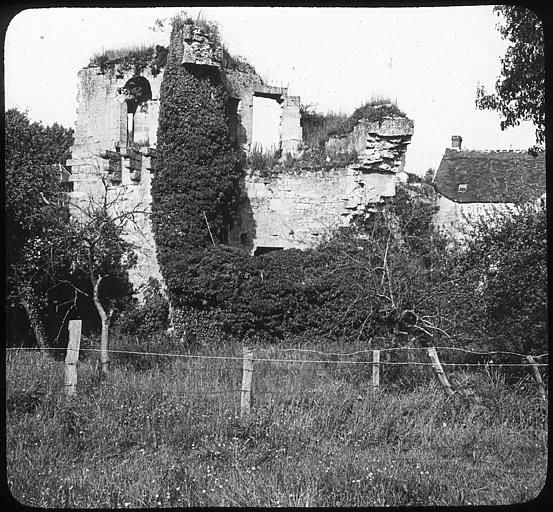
{"x":456,"y":141}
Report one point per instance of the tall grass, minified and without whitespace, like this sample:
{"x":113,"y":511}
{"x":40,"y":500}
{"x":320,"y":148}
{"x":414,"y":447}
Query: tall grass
{"x":123,"y":51}
{"x":262,"y":159}
{"x":317,"y":127}
{"x":138,"y":56}
{"x":318,"y":435}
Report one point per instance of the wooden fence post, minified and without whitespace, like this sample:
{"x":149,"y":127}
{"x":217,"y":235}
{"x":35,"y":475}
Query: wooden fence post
{"x":439,"y":371}
{"x":537,"y":376}
{"x":247,"y":371}
{"x":72,"y":356}
{"x":376,"y":369}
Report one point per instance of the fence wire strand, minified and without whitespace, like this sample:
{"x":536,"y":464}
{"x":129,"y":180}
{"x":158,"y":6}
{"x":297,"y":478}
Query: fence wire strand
{"x":314,"y":361}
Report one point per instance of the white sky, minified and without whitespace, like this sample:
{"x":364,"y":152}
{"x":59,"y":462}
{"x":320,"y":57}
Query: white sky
{"x":428,"y":59}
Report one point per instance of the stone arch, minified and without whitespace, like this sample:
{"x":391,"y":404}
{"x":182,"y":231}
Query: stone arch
{"x":137,"y":90}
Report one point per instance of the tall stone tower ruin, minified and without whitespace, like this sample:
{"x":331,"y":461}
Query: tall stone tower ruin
{"x":114,"y":154}
{"x":116,"y":132}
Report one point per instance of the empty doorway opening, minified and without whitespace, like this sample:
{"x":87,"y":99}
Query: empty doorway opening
{"x":260,"y":250}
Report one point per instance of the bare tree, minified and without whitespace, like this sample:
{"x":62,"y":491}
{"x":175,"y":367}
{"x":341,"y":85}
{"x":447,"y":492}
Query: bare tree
{"x":98,"y":250}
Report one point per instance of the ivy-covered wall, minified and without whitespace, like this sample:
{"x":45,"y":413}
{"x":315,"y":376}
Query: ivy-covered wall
{"x":196,"y":185}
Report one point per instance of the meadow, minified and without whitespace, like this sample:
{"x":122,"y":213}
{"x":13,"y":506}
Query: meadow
{"x":166,"y":432}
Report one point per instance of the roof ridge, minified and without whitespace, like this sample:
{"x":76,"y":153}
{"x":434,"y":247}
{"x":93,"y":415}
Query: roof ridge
{"x":464,"y":150}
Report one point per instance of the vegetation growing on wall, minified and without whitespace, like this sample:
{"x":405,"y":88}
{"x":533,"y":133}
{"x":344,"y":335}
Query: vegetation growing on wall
{"x":237,"y":62}
{"x":374,"y":110}
{"x":136,"y":58}
{"x":269,"y":164}
{"x":318,"y":127}
{"x":196,"y":185}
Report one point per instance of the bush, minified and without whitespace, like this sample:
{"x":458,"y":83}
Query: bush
{"x":499,"y":300}
{"x":149,"y":318}
{"x":208,"y":278}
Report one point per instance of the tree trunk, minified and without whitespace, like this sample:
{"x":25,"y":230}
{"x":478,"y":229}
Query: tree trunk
{"x":28,"y":303}
{"x":104,"y":343}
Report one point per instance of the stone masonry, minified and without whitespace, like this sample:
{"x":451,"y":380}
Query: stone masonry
{"x":297,"y":210}
{"x":115,"y":144}
{"x":103,"y":149}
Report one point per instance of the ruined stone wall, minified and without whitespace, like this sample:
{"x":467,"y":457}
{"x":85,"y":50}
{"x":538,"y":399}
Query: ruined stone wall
{"x":242,"y":83}
{"x":381,"y":146}
{"x":288,"y":210}
{"x":290,"y":126}
{"x":100,"y":154}
{"x":298,"y":210}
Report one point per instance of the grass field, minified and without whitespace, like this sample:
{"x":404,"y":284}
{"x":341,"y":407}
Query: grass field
{"x":149,"y":435}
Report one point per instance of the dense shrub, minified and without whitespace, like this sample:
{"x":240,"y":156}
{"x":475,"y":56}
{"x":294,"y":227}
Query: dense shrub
{"x":150,"y":317}
{"x":357,"y":284}
{"x":499,"y":297}
{"x":209,"y":278}
{"x":317,"y":126}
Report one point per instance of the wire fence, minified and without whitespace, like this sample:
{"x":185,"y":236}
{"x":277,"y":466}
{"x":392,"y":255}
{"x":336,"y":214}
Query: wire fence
{"x":317,"y":361}
{"x":275,"y":357}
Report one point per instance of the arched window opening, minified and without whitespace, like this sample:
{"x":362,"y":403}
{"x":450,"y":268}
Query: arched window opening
{"x":137,"y":90}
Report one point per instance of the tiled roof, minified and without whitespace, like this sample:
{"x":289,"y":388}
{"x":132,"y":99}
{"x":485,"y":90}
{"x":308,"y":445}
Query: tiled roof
{"x":490,"y":176}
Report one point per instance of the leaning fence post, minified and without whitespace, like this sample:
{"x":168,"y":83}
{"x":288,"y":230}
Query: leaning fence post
{"x":537,"y":376}
{"x":72,"y":356}
{"x":439,"y":371}
{"x":247,"y":371}
{"x":376,"y":369}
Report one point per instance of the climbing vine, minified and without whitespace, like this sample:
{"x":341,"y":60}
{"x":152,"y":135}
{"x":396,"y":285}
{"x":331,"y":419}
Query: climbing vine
{"x":196,"y":185}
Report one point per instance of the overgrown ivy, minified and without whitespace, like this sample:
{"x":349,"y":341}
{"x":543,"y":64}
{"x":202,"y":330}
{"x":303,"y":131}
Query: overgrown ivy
{"x":196,"y":185}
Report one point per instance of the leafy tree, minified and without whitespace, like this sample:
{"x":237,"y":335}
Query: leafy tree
{"x":500,"y":297}
{"x":520,"y":90}
{"x":36,"y":212}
